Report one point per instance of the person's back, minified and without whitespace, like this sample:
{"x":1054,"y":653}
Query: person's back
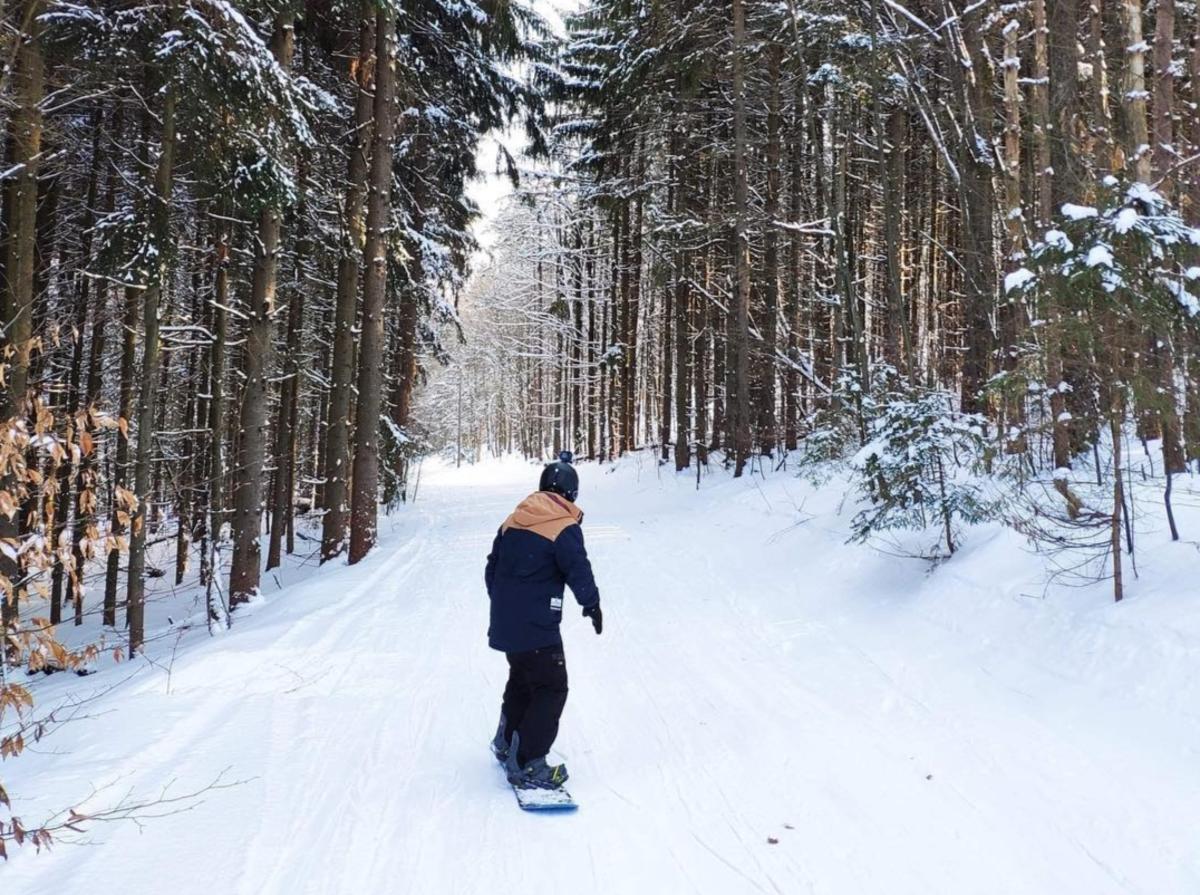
{"x":537,"y":551}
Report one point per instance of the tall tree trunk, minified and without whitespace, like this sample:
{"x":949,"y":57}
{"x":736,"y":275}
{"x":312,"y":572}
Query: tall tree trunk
{"x":683,"y":330}
{"x":1012,"y":308}
{"x":634,"y":238}
{"x":666,"y":349}
{"x":283,"y":498}
{"x":1014,"y":212}
{"x":246,"y":568}
{"x":336,"y":470}
{"x":1192,"y":207}
{"x":120,"y":470}
{"x":21,"y":212}
{"x":590,"y":404}
{"x":1066,"y":159}
{"x":160,"y":218}
{"x":1134,"y":92}
{"x":1039,"y":115}
{"x":792,"y":403}
{"x":1103,"y":147}
{"x":364,"y":503}
{"x":741,"y":247}
{"x":577,"y":343}
{"x":1165,"y":154}
{"x":848,"y":304}
{"x":85,"y":497}
{"x":971,"y":76}
{"x":217,"y":354}
{"x":770,"y":323}
{"x":1116,"y":419}
{"x":703,"y":336}
{"x":185,"y":474}
{"x":1162,"y":353}
{"x":1061,"y":138}
{"x":891,"y":164}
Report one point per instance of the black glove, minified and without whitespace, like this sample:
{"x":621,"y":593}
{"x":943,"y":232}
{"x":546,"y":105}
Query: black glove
{"x":597,"y":617}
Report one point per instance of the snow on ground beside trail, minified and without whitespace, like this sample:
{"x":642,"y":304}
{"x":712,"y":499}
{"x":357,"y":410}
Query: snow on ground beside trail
{"x":769,"y":710}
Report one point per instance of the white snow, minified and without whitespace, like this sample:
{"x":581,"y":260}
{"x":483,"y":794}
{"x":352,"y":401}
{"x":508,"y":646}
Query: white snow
{"x":967,"y":730}
{"x":1190,"y":302}
{"x":1141,"y":192}
{"x":1059,"y":240}
{"x":1074,"y":212}
{"x":1099,"y":255}
{"x":1126,"y":219}
{"x":1018,"y":279}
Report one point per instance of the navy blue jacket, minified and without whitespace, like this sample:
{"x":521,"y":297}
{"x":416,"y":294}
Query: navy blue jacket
{"x":537,"y":551}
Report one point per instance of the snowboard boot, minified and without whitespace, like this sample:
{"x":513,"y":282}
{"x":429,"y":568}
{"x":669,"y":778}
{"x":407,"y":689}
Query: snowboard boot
{"x":500,"y":745}
{"x":536,"y":774}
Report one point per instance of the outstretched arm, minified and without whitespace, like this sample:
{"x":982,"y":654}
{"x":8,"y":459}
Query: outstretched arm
{"x":572,"y":559}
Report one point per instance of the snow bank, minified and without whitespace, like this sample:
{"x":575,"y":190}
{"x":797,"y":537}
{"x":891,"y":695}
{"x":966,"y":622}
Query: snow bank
{"x":768,"y":710}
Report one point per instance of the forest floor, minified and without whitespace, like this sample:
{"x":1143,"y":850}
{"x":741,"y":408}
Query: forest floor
{"x":768,"y":710}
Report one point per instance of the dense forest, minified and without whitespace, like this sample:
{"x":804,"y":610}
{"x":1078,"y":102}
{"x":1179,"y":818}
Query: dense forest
{"x":790,"y":232}
{"x":236,"y":240}
{"x":226,"y":231}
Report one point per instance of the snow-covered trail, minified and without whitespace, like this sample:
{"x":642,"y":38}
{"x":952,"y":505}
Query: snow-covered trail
{"x":755,"y":681}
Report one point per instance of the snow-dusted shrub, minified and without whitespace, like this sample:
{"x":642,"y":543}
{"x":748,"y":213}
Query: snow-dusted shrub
{"x":837,"y":431}
{"x":916,"y":460}
{"x":922,"y":467}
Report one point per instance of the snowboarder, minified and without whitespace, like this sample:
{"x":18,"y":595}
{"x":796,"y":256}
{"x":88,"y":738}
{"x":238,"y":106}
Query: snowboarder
{"x":537,"y":551}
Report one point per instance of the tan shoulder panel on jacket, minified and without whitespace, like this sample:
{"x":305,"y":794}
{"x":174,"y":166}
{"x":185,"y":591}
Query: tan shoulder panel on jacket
{"x":544,"y":514}
{"x":552,"y":529}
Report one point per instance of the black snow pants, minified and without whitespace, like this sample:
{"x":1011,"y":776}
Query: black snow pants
{"x":534,"y":698}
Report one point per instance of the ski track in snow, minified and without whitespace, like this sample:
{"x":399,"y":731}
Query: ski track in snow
{"x":755,"y":679}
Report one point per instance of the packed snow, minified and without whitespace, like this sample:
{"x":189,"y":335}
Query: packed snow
{"x":769,"y":709}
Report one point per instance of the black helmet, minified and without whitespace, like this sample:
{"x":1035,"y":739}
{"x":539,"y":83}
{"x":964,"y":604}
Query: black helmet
{"x":561,"y":477}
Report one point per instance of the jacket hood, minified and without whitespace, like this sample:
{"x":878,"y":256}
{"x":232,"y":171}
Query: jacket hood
{"x":543,"y":508}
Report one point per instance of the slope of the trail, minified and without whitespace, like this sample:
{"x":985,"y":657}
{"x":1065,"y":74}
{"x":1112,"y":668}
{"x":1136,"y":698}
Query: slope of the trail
{"x":768,"y":710}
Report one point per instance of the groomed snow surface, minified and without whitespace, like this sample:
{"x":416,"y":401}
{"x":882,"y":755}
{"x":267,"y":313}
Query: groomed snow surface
{"x":768,"y":710}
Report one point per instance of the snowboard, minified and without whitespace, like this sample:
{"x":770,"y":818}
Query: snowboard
{"x":540,"y":799}
{"x":544,"y":799}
